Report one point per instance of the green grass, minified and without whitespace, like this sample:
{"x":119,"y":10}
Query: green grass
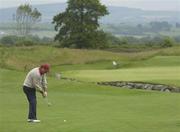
{"x":88,"y":108}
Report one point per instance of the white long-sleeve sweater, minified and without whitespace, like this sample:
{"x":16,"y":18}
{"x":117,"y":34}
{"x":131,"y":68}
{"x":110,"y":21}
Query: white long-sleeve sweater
{"x":35,"y":80}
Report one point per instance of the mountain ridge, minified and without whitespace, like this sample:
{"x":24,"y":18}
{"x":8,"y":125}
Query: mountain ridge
{"x":117,"y":14}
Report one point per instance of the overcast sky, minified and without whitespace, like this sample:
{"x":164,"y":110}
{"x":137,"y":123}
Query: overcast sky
{"x":143,"y":4}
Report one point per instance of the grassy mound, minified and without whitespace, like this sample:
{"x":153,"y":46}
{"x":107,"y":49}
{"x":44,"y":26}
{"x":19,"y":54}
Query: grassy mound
{"x":21,"y":58}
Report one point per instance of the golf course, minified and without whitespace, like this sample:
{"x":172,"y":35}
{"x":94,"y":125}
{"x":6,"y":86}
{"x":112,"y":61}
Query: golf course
{"x":79,"y":104}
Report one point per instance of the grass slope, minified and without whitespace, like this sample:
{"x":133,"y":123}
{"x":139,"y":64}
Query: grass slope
{"x":20,"y":58}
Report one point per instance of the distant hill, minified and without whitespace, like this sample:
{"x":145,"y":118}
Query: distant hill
{"x":117,"y":14}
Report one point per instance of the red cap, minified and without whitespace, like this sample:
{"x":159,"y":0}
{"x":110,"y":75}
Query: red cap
{"x":45,"y":66}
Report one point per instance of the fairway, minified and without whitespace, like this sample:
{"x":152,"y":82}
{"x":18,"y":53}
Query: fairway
{"x":88,"y":107}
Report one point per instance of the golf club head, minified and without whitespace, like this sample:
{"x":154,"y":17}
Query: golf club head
{"x":47,"y":102}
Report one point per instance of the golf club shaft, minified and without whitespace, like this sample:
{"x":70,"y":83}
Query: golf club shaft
{"x":47,"y":101}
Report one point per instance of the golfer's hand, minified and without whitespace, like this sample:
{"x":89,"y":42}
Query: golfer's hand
{"x":44,"y":94}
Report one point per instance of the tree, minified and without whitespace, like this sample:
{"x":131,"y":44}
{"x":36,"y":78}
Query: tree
{"x":25,"y":18}
{"x":78,"y":25}
{"x":167,"y":42}
{"x":9,"y":40}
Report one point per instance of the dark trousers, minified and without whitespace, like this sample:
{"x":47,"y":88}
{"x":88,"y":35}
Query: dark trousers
{"x":31,"y":96}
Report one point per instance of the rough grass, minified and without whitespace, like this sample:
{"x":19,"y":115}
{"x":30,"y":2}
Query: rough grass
{"x":21,"y":58}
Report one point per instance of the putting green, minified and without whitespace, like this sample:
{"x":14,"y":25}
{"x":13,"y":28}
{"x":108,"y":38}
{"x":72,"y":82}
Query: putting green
{"x":167,"y":75}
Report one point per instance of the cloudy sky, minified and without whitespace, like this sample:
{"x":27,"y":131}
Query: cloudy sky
{"x":143,"y":4}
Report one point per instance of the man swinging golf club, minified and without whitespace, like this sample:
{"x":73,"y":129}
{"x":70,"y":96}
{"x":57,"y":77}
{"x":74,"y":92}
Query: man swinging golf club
{"x":35,"y":81}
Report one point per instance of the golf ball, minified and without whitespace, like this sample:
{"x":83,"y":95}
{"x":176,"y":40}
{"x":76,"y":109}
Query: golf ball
{"x":64,"y":120}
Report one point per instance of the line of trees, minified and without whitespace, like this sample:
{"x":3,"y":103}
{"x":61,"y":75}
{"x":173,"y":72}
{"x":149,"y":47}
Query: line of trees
{"x":140,"y":29}
{"x":158,"y":41}
{"x":30,"y":40}
{"x":112,"y":41}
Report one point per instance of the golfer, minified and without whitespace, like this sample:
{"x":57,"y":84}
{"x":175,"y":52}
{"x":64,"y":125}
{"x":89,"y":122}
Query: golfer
{"x":35,"y":81}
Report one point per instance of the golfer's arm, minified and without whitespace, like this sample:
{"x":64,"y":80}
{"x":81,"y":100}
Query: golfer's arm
{"x":44,"y":84}
{"x":45,"y":89}
{"x":37,"y":87}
